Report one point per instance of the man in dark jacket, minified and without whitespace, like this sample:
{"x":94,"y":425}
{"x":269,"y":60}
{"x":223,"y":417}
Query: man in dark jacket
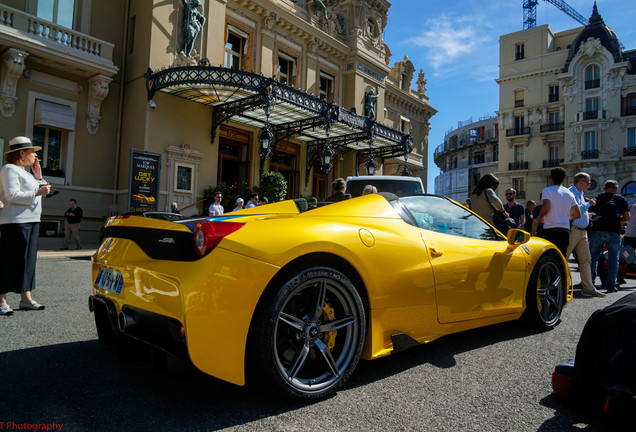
{"x":73,"y":218}
{"x":610,"y":213}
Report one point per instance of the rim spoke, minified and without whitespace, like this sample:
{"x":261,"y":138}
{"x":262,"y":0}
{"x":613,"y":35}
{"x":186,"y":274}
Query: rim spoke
{"x":557,"y":283}
{"x":292,"y":321}
{"x":298,"y":362}
{"x":549,"y":307}
{"x":333,"y":367}
{"x":337,"y":324}
{"x":320,"y":299}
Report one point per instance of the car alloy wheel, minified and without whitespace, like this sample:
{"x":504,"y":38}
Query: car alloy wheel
{"x":546,"y":294}
{"x":313,"y":334}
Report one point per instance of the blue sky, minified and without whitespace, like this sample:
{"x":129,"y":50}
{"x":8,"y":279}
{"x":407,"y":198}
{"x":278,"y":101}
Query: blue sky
{"x":456,"y":43}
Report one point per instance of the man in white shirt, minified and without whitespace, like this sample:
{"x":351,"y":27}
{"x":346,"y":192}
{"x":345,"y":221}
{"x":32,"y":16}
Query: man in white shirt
{"x":216,"y":209}
{"x":559,"y":208}
{"x":578,"y":235}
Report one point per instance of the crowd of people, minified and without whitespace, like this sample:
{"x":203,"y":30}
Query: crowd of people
{"x":250,"y":200}
{"x":566,"y":218}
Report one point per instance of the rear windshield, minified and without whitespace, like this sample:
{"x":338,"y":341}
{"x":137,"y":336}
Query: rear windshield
{"x":400,"y":188}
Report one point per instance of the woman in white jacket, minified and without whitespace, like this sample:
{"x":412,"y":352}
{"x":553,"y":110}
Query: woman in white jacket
{"x":21,"y":193}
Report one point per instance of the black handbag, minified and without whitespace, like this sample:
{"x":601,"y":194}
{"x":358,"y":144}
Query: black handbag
{"x":501,"y":221}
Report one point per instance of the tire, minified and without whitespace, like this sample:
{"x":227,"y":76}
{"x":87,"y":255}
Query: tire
{"x":307,"y":339}
{"x":545,"y":296}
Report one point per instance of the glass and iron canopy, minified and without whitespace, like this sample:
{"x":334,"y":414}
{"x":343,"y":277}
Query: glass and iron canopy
{"x":280,"y":112}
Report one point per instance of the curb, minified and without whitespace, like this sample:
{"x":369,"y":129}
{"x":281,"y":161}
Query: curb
{"x":67,"y":253}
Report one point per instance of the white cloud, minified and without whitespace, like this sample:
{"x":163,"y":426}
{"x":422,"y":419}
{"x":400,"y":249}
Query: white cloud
{"x":448,"y":38}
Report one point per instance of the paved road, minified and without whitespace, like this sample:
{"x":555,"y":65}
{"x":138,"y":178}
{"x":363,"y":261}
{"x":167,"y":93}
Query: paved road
{"x":52,"y":370}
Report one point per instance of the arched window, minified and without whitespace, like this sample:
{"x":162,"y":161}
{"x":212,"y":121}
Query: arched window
{"x":629,"y":189}
{"x":592,"y":77}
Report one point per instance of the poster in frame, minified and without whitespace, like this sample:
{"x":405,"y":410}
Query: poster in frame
{"x":183,"y":177}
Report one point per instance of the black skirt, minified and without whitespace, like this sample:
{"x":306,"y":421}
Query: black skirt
{"x":18,"y":255}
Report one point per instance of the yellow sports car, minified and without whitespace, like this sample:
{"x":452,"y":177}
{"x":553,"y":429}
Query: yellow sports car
{"x":291,"y":298}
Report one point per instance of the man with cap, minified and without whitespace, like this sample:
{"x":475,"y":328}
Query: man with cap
{"x":239,"y":204}
{"x":21,"y":192}
{"x":610,"y":213}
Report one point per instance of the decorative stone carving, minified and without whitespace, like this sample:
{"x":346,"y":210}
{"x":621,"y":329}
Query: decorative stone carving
{"x":12,"y":68}
{"x":571,"y":152}
{"x":612,"y":149}
{"x":615,"y":79}
{"x":269,"y":20}
{"x":97,"y":92}
{"x":590,"y":47}
{"x":421,"y":82}
{"x":569,"y":89}
{"x":314,"y":45}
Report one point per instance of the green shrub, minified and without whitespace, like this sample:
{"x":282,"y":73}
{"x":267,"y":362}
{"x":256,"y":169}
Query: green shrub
{"x":273,"y":186}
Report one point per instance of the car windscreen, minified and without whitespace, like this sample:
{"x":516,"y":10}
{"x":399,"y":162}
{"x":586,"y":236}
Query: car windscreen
{"x":436,"y":213}
{"x":397,"y":187}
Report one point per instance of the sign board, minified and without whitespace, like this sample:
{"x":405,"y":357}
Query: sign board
{"x":143,"y":185}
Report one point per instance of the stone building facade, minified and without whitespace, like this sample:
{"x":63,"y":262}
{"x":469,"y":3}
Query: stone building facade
{"x":565,"y":99}
{"x":468,"y":152}
{"x":80,"y":79}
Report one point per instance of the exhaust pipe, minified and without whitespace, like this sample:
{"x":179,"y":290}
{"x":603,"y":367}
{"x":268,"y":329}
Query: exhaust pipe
{"x":126,"y":319}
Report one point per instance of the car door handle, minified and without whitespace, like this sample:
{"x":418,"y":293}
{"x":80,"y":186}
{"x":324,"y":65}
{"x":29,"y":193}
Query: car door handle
{"x":436,"y":252}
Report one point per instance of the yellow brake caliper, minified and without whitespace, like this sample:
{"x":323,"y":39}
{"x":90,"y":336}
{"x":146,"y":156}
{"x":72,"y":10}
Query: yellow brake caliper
{"x":329,"y":314}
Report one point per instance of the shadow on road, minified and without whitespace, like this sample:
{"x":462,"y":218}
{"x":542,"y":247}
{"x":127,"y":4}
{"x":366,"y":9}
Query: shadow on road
{"x":86,"y":386}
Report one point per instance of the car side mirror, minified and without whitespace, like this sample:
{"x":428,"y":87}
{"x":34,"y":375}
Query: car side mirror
{"x":517,"y":236}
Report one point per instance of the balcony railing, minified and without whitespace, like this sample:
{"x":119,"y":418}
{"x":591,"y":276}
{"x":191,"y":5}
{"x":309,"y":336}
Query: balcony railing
{"x":517,"y":166}
{"x":518,"y":131}
{"x":551,"y":163}
{"x":518,"y":103}
{"x":629,"y":152}
{"x":552,"y":127}
{"x":590,"y":84}
{"x":589,"y":154}
{"x":590,"y":115}
{"x":56,"y":37}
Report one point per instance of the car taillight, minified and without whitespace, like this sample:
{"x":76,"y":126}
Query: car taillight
{"x":208,"y":234}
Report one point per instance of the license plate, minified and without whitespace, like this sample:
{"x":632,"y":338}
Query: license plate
{"x":110,"y":280}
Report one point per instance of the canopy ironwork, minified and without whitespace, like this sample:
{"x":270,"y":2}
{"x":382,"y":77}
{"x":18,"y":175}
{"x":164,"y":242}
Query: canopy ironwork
{"x":280,"y":112}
